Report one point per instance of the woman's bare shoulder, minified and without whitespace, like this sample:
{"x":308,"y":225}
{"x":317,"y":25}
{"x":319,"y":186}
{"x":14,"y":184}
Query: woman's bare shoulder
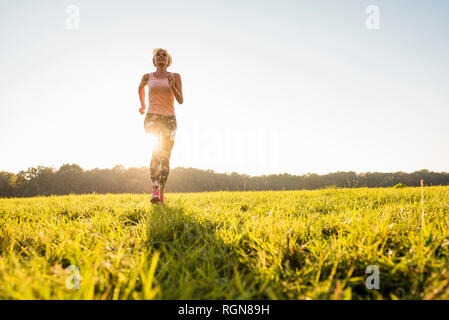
{"x":144,"y":80}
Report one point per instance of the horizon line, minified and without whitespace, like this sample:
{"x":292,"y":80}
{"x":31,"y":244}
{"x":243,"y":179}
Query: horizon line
{"x":226,"y":172}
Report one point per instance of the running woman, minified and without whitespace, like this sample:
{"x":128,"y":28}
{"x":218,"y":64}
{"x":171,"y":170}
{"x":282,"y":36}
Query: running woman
{"x":160,"y":119}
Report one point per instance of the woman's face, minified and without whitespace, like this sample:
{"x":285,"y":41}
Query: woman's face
{"x":161,"y":58}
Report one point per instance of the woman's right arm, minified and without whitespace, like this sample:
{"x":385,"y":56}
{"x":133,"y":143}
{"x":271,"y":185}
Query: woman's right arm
{"x":141,"y":90}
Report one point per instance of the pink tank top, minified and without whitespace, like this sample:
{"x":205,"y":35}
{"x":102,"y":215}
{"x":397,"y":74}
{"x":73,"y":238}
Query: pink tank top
{"x":161,"y":98}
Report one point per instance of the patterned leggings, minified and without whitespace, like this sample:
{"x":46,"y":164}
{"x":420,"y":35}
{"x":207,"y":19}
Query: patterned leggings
{"x":164,"y":128}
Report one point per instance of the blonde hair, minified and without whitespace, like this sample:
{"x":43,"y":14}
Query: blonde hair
{"x":170,"y":59}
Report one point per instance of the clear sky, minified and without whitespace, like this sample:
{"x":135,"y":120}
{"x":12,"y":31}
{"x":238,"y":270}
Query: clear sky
{"x":269,"y":86}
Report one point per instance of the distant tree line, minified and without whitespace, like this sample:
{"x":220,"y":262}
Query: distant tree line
{"x":71,"y":178}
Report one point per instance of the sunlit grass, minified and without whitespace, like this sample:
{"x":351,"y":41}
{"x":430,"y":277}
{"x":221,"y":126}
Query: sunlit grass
{"x":228,"y":245}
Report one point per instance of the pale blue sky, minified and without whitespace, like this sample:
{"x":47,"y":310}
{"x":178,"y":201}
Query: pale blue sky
{"x":269,"y":87}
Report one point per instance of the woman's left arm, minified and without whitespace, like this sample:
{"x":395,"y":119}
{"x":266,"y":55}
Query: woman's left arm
{"x":175,"y":83}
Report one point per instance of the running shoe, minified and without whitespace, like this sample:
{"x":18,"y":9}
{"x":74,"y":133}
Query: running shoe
{"x":155,"y":198}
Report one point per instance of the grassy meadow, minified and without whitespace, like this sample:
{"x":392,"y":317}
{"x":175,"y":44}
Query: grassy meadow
{"x":227,"y":245}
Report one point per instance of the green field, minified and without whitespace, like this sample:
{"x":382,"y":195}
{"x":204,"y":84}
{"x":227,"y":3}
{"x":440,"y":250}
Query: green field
{"x":227,"y":245}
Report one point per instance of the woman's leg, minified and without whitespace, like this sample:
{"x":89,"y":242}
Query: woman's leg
{"x":168,"y":133}
{"x":156,"y":165}
{"x":152,"y":126}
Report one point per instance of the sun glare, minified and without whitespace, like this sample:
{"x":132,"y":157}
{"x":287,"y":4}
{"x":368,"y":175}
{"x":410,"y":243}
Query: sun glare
{"x":152,"y":141}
